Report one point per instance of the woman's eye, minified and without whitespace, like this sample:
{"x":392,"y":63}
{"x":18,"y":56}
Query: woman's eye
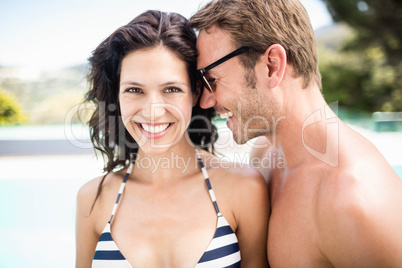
{"x":172,"y":90}
{"x":133,"y":90}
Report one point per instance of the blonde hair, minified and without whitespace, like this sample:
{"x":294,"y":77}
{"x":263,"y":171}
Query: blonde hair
{"x":261,"y":23}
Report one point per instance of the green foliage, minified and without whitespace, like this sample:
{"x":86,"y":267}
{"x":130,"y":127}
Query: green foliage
{"x":10,"y":112}
{"x":48,"y":97}
{"x":360,"y":80}
{"x":54,"y":109}
{"x":366,"y":72}
{"x":377,"y":23}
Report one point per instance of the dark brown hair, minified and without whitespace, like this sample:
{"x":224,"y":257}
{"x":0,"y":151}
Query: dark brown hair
{"x":261,"y":23}
{"x":150,"y":29}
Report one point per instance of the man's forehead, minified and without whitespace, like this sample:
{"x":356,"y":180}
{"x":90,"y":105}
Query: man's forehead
{"x":212,"y":44}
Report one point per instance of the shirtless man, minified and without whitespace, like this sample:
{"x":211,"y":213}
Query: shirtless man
{"x":338,"y":203}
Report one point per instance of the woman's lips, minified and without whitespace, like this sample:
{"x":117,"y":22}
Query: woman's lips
{"x":154,"y":130}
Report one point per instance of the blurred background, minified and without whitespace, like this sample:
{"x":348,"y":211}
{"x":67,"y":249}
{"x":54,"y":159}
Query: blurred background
{"x":45,"y":153}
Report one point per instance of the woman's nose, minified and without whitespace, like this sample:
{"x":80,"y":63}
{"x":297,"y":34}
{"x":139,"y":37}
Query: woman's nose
{"x":154,"y":107}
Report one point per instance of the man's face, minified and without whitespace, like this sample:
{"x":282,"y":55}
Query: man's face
{"x":246,"y":107}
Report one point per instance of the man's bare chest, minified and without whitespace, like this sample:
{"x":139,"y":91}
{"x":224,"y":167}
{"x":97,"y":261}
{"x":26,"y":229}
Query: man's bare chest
{"x":293,"y":236}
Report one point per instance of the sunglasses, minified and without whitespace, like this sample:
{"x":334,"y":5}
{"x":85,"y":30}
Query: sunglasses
{"x":209,"y":84}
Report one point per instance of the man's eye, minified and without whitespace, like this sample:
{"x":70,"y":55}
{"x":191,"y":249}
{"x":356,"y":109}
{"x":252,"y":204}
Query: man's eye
{"x":210,"y":79}
{"x":211,"y":82}
{"x":172,"y":90}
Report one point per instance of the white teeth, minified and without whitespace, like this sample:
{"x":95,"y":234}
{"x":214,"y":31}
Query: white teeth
{"x":226,"y":115}
{"x":154,"y":129}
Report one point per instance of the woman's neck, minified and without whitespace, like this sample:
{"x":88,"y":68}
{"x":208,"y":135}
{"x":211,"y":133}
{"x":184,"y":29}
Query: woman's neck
{"x":166,"y":165}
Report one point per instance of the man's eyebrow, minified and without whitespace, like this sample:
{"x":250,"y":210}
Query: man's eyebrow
{"x":212,"y":72}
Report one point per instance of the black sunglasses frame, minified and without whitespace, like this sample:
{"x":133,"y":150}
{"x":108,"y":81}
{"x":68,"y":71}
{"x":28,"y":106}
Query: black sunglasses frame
{"x":201,"y":72}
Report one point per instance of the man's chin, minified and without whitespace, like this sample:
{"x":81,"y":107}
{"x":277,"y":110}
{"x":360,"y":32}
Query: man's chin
{"x":239,"y":136}
{"x":240,"y":139}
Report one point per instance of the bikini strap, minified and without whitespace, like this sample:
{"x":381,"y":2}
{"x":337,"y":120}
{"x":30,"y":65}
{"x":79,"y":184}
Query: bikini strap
{"x":210,"y":190}
{"x":122,"y":186}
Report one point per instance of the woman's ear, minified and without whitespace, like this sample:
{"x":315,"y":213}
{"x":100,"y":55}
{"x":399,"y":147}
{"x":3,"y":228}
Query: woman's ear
{"x":276,"y":61}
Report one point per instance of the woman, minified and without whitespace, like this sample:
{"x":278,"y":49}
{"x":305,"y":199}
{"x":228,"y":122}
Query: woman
{"x":157,"y":207}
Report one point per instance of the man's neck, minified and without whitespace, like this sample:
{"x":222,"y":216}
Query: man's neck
{"x":309,"y":126}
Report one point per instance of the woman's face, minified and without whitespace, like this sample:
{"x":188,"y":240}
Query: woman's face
{"x":155,"y":98}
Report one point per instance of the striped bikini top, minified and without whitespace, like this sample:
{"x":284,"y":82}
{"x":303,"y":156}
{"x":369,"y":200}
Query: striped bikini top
{"x":223,"y":250}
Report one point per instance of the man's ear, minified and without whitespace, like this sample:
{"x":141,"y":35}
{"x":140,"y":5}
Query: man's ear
{"x":276,"y":61}
{"x":197,"y":93}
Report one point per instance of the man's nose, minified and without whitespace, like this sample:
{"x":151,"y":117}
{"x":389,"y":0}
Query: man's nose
{"x":207,"y":99}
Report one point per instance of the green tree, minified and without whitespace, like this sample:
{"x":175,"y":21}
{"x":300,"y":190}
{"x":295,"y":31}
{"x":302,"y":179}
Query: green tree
{"x":360,"y":80}
{"x":367,"y":72}
{"x":378,"y":23}
{"x":10,"y":111}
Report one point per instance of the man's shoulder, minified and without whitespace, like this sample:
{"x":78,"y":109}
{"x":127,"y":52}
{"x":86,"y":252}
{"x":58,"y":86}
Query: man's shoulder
{"x":357,"y":181}
{"x":356,"y":213}
{"x":338,"y":194}
{"x":339,"y":191}
{"x":345,"y":188}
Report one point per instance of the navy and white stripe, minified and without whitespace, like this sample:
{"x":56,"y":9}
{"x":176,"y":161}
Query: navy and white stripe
{"x":107,"y":254}
{"x":223,"y":251}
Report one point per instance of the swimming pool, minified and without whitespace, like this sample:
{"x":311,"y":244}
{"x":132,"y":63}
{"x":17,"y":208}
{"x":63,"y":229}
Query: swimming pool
{"x":37,"y":227}
{"x":38,"y":213}
{"x":37,"y":206}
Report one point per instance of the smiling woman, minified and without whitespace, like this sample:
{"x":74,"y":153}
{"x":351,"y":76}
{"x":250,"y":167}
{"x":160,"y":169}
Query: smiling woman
{"x":156,"y":206}
{"x":155,"y":98}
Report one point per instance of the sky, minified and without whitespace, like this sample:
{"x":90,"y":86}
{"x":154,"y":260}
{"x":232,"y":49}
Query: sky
{"x":47,"y":34}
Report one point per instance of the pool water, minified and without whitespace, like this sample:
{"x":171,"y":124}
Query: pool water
{"x":37,"y":206}
{"x":37,"y":226}
{"x":398,"y":170}
{"x":38,"y":222}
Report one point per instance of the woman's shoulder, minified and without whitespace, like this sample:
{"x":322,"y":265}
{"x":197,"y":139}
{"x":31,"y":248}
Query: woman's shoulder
{"x":240,"y":189}
{"x":89,"y":191}
{"x":232,"y":174}
{"x":107,"y":180}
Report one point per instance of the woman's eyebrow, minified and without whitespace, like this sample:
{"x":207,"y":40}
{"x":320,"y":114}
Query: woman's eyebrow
{"x":173,"y":83}
{"x":131,"y":83}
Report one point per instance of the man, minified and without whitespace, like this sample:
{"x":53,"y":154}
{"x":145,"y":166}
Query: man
{"x":338,"y":203}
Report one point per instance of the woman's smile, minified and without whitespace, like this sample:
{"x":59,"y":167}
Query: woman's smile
{"x":154,"y":130}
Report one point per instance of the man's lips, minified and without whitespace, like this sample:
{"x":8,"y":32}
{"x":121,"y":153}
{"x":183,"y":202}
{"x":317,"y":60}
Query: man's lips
{"x":225,"y":115}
